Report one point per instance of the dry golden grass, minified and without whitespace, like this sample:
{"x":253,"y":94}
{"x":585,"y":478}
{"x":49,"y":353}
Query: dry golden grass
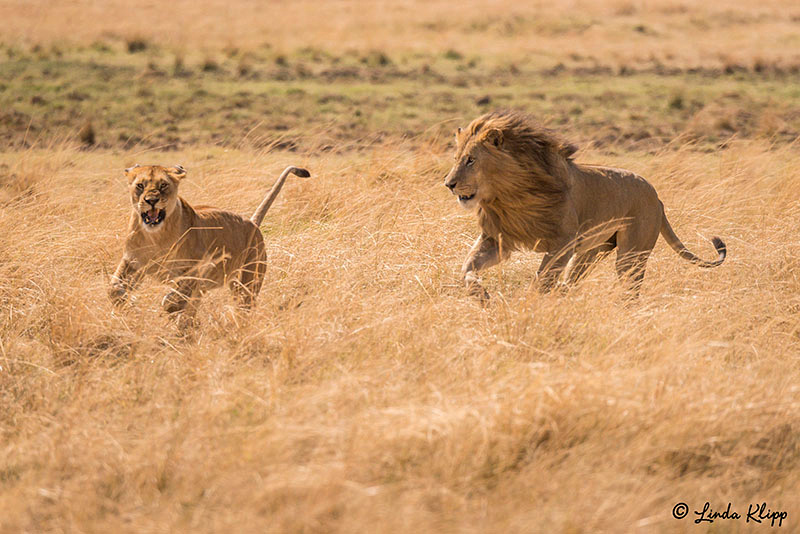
{"x":617,"y":32}
{"x":367,"y":392}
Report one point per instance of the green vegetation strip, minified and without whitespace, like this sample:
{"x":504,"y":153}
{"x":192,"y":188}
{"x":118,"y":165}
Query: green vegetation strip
{"x":133,"y":99}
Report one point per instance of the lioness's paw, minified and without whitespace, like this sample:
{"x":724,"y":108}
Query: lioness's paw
{"x":118,"y":295}
{"x":187,"y":323}
{"x":173,"y":302}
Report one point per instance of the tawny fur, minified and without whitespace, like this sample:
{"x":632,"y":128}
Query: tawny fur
{"x":193,"y":248}
{"x":528,"y":192}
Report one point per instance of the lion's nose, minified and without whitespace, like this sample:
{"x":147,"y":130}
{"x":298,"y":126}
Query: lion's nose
{"x":152,"y":201}
{"x":450,"y":185}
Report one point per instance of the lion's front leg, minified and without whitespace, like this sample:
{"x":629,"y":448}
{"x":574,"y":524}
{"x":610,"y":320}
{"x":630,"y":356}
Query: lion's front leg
{"x":124,"y":280}
{"x":484,"y":253}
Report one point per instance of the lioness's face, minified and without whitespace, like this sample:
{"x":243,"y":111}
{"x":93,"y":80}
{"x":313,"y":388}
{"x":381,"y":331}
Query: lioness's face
{"x":468,"y":179}
{"x":154,"y":193}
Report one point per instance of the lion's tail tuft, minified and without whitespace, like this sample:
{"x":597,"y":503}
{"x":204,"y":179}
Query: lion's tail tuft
{"x":675,"y":243}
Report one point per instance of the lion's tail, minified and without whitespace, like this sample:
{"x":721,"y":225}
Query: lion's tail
{"x":261,"y":211}
{"x":669,"y":236}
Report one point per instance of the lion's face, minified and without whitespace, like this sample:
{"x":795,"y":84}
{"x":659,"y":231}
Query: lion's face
{"x":474,"y":165}
{"x":154,"y":193}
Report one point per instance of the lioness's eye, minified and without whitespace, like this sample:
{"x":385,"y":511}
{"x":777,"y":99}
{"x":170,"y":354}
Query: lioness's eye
{"x":470,"y":161}
{"x":162,"y":187}
{"x":140,"y":187}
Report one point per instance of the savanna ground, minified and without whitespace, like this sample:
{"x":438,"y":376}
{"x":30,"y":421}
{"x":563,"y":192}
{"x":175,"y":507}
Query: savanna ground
{"x":367,"y":392}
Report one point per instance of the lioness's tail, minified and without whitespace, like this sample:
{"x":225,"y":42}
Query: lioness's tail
{"x":258,"y":216}
{"x":669,"y":236}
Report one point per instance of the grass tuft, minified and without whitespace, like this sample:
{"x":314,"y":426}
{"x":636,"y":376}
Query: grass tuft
{"x":136,"y":44}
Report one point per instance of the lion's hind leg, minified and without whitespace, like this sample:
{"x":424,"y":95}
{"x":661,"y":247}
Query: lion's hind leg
{"x":552,"y":267}
{"x":584,"y":261}
{"x":630,"y":270}
{"x":634,"y":248}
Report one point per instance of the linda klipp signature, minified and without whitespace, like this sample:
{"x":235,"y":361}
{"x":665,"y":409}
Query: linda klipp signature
{"x":756,"y":513}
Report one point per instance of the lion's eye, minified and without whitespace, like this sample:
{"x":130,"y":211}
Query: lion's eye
{"x":470,"y":161}
{"x":140,"y":187}
{"x":162,"y":187}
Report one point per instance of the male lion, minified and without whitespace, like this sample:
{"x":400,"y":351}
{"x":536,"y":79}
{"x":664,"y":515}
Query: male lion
{"x":529,"y":193}
{"x":193,"y":248}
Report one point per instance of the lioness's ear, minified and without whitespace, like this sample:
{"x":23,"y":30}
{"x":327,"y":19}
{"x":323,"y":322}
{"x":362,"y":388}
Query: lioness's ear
{"x":177,"y":172}
{"x":129,"y":170}
{"x":494,"y":136}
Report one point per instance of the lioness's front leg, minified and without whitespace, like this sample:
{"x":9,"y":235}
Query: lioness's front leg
{"x":484,"y":253}
{"x":181,"y":303}
{"x":180,"y":297}
{"x":124,"y":280}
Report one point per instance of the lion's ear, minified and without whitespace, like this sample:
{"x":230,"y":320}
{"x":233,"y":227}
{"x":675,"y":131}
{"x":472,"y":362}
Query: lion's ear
{"x":129,"y":170}
{"x":177,"y":172}
{"x":494,"y":136}
{"x":568,"y":150}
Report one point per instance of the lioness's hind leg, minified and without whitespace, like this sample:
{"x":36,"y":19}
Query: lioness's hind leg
{"x":245,"y":293}
{"x":248,"y":285}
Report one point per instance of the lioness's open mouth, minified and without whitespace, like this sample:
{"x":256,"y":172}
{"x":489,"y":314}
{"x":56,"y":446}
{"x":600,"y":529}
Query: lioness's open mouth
{"x":153,"y":216}
{"x":466,"y":198}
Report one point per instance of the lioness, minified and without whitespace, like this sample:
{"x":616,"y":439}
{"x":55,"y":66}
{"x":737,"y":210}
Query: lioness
{"x":529,"y":193}
{"x":193,"y":248}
